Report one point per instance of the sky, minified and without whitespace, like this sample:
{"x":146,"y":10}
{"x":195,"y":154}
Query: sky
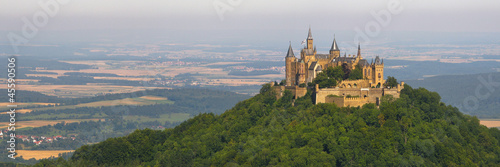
{"x":260,"y":23}
{"x":415,"y":15}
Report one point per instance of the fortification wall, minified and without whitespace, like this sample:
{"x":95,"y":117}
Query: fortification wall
{"x":339,"y":101}
{"x":361,"y":83}
{"x":296,"y":91}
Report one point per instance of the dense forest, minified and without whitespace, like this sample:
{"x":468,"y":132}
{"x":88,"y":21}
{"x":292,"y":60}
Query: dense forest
{"x":414,"y":130}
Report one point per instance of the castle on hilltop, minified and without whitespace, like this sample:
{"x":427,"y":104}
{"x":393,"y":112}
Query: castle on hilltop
{"x":302,"y":71}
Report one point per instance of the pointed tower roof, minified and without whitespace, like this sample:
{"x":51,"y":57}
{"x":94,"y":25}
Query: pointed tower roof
{"x":309,"y":36}
{"x":377,"y":60}
{"x":290,"y":51}
{"x":359,"y":50}
{"x":334,"y":44}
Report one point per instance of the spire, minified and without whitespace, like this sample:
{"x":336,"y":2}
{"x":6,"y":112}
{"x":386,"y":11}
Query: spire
{"x":309,"y":36}
{"x":334,"y":44}
{"x":290,"y":51}
{"x":377,"y":60}
{"x":359,"y":50}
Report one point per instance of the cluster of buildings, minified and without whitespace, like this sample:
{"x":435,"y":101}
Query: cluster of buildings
{"x":38,"y":139}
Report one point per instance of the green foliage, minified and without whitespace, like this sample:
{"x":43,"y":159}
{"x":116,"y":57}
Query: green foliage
{"x":331,"y":76}
{"x":356,"y":73}
{"x":391,"y":82}
{"x":283,"y":82}
{"x":324,"y":81}
{"x":413,"y":130}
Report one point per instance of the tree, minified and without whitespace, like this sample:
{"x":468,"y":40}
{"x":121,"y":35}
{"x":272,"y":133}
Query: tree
{"x":347,"y":71}
{"x":391,"y":82}
{"x":356,"y":73}
{"x":283,"y":82}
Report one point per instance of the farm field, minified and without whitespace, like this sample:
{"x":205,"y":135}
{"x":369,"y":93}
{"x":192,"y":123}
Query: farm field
{"x":72,"y":91}
{"x":174,"y":117}
{"x":39,"y":123}
{"x":490,"y":123}
{"x":3,"y":106}
{"x":40,"y":154}
{"x":144,"y":100}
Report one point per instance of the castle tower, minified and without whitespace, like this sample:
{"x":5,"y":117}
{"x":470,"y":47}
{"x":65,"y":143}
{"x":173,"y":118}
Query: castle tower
{"x":378,"y":72}
{"x":309,"y":40}
{"x":290,"y":67}
{"x":302,"y":73}
{"x":334,"y":51}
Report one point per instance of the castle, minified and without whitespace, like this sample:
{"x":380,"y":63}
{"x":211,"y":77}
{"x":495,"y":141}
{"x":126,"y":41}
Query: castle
{"x":369,"y":89}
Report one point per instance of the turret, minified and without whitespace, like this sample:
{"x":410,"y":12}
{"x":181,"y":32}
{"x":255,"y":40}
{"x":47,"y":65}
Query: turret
{"x":290,"y":64}
{"x":378,"y":71}
{"x":334,"y":51}
{"x":290,"y":54}
{"x":359,"y":51}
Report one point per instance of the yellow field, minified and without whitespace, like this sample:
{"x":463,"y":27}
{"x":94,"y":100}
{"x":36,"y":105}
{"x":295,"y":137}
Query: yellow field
{"x":19,"y":111}
{"x":44,"y":75}
{"x":40,"y":154}
{"x":70,"y":91}
{"x":39,"y":123}
{"x":490,"y":123}
{"x":153,"y":98}
{"x":127,"y":101}
{"x":126,"y":78}
{"x":26,"y":104}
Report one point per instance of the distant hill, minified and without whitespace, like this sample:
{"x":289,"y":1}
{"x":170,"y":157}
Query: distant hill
{"x":474,"y":94}
{"x":414,"y":130}
{"x":404,"y":70}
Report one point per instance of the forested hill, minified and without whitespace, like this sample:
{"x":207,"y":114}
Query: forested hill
{"x":414,"y":130}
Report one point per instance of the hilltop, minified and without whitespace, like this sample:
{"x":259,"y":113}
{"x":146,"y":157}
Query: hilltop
{"x":413,"y":130}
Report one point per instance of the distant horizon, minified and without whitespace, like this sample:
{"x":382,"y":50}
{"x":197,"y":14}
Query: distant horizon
{"x":404,"y":15}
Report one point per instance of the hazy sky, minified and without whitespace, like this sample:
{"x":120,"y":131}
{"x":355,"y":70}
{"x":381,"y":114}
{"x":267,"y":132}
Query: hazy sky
{"x":416,"y":15}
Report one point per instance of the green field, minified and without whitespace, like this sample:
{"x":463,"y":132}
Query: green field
{"x":139,"y":101}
